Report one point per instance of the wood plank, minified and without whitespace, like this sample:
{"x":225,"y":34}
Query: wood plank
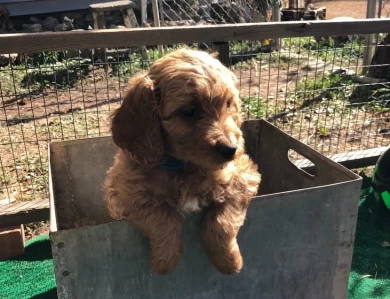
{"x":111,"y":6}
{"x":28,"y":7}
{"x":26,"y":207}
{"x":24,"y":212}
{"x":12,"y":207}
{"x":51,"y":41}
{"x":23,"y":207}
{"x":25,"y":218}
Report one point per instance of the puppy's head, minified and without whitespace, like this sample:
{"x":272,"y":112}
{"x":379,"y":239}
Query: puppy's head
{"x":187,"y":106}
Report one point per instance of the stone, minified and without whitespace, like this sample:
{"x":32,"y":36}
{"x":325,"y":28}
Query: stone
{"x":112,"y":26}
{"x":50,"y":23}
{"x":11,"y":27}
{"x":35,"y":28}
{"x":6,"y":59}
{"x":34,"y":20}
{"x":171,"y":15}
{"x":68,"y":23}
{"x":60,"y":27}
{"x":26,"y":27}
{"x":73,"y":15}
{"x":12,"y":242}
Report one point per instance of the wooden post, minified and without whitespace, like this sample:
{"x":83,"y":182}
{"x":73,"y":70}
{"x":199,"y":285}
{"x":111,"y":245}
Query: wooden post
{"x":369,"y":38}
{"x":276,"y":18}
{"x":131,"y":22}
{"x":99,"y":23}
{"x":156,"y":18}
{"x":12,"y":242}
{"x":162,"y":20}
{"x":144,"y":15}
{"x":223,"y":52}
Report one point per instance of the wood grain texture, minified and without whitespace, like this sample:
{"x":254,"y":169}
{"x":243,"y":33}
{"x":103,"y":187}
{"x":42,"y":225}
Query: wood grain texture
{"x":51,"y":41}
{"x":112,"y":6}
{"x":24,"y":212}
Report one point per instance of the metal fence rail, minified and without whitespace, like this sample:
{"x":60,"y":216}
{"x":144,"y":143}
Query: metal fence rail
{"x":62,"y":88}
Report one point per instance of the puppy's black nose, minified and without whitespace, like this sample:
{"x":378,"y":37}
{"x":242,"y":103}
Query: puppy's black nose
{"x":226,"y":151}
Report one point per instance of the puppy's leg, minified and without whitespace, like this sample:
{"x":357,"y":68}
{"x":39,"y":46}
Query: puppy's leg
{"x":162,"y":225}
{"x":223,"y":222}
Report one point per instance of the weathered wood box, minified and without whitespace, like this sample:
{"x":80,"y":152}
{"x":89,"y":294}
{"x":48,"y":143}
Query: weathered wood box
{"x":297,"y":241}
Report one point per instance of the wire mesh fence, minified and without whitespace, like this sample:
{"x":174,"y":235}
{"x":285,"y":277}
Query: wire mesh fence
{"x":384,"y":9}
{"x":191,"y":12}
{"x":312,"y":89}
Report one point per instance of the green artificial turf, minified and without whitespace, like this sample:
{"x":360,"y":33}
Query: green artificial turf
{"x":32,"y":275}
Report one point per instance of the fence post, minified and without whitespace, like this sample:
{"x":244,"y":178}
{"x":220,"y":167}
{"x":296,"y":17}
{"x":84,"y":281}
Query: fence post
{"x":143,"y":12}
{"x":223,"y":50}
{"x":276,"y":18}
{"x":156,"y":18}
{"x":369,"y":38}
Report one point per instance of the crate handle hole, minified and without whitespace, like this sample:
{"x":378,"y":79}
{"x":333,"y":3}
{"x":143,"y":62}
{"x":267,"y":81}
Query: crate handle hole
{"x":303,"y":163}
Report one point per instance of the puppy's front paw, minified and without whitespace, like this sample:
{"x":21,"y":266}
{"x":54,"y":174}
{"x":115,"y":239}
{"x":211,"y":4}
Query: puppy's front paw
{"x":164,"y":260}
{"x":228,"y":262}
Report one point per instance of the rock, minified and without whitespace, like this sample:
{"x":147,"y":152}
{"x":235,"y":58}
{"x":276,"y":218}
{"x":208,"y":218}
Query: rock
{"x":22,"y":102}
{"x":191,"y":22}
{"x":204,"y":11}
{"x":10,"y":27}
{"x":183,"y":23}
{"x":34,"y":20}
{"x":112,"y":26}
{"x":26,"y":27}
{"x":171,"y":15}
{"x":73,"y":15}
{"x":50,"y":23}
{"x":60,"y":27}
{"x":35,"y":28}
{"x":6,"y":59}
{"x":68,"y":23}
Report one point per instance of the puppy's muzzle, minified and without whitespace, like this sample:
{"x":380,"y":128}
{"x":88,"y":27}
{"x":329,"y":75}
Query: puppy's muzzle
{"x":226,"y":152}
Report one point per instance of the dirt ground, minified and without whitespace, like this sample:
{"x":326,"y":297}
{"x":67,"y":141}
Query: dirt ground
{"x":347,"y":8}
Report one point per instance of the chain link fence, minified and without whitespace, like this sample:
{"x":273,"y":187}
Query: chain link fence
{"x":201,"y":12}
{"x":384,"y":9}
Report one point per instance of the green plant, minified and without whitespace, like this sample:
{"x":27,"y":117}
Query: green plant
{"x":253,"y":107}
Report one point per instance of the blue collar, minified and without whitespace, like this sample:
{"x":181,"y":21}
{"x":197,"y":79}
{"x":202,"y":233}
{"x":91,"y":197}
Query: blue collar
{"x":174,"y":164}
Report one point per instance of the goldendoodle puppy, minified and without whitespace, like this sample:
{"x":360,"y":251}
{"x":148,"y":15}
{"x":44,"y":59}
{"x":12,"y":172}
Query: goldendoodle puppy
{"x":181,"y":151}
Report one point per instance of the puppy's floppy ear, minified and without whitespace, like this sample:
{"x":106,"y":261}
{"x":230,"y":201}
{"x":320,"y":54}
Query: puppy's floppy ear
{"x":135,"y":125}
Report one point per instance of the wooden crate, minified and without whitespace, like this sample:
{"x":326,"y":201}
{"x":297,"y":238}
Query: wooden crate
{"x":297,"y":241}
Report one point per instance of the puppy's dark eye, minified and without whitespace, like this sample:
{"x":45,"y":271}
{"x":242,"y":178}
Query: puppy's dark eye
{"x":190,"y":112}
{"x":228,"y":103}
